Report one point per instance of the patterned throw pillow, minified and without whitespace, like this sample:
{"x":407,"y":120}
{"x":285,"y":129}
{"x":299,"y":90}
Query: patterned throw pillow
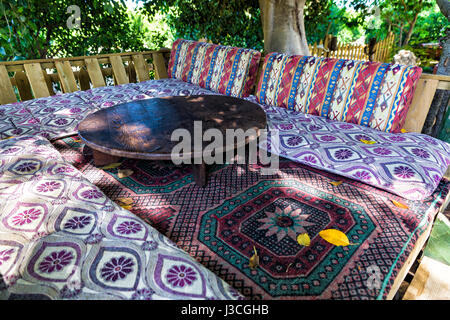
{"x":372,"y":94}
{"x":226,"y":70}
{"x":296,"y":82}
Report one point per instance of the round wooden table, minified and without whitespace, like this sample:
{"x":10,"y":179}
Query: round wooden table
{"x":142,"y":129}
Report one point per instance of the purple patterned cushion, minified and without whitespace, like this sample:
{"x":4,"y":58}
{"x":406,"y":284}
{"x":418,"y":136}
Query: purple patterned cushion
{"x":407,"y":164}
{"x":62,"y":238}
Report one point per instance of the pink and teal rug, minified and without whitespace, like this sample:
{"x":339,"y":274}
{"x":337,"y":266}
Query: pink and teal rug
{"x":239,"y":210}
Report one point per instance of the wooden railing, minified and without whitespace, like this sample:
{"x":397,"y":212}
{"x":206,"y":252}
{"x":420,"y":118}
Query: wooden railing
{"x":423,"y":97}
{"x":28,"y":79}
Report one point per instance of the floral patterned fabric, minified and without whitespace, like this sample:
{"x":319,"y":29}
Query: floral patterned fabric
{"x":410,"y":165}
{"x":371,"y":94}
{"x":62,"y":238}
{"x":226,"y":70}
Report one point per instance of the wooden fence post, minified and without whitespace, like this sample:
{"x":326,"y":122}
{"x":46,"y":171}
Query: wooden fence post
{"x":95,"y":73}
{"x":37,"y":80}
{"x":66,"y":76}
{"x":6,"y":89}
{"x":160,"y":66}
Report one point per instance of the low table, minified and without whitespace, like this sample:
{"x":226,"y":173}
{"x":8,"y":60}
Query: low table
{"x":142,"y":129}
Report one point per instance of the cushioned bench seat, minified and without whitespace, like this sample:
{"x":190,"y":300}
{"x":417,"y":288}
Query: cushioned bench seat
{"x":62,"y":238}
{"x":410,"y":165}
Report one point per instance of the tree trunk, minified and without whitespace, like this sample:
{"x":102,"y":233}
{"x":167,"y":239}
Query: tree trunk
{"x":435,"y":117}
{"x":411,"y":29}
{"x":283,"y":26}
{"x":400,"y":36}
{"x":444,"y":63}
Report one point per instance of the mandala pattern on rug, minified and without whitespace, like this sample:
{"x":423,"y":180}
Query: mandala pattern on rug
{"x":270,"y":215}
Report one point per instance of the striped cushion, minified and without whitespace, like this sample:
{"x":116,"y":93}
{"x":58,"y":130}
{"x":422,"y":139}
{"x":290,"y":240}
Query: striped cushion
{"x":371,"y":94}
{"x":226,"y":70}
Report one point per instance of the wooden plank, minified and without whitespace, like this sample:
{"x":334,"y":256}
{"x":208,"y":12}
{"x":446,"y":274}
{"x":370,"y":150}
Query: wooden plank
{"x":431,"y":281}
{"x":160,"y":66}
{"x":120,"y":74}
{"x":141,"y":67}
{"x":131,"y":72}
{"x":7,"y":94}
{"x":417,"y":249}
{"x":49,"y":82}
{"x":420,"y":105}
{"x":66,"y":76}
{"x":83,"y":79}
{"x":447,"y":173}
{"x":435,"y":76}
{"x":443,"y":85}
{"x":95,"y":73}
{"x":37,"y":80}
{"x":23,"y":85}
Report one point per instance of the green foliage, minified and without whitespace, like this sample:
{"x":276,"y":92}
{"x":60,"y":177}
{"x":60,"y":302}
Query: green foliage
{"x":344,"y":23}
{"x":155,"y":34}
{"x":398,"y":16}
{"x":234,"y":22}
{"x":32,"y":29}
{"x":431,"y":26}
{"x":38,"y":28}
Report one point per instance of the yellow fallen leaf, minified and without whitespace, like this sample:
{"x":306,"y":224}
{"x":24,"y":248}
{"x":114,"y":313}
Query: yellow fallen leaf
{"x":253,"y":263}
{"x":367,"y":141}
{"x":111,"y":166}
{"x":399,"y":204}
{"x":336,"y":183}
{"x":303,"y":239}
{"x":126,"y":201}
{"x":127,"y":207}
{"x":403,"y":131}
{"x":8,"y":138}
{"x":336,"y":237}
{"x":124,"y":173}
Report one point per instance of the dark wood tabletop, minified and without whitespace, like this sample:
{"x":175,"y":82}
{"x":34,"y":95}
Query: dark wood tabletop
{"x":142,"y":129}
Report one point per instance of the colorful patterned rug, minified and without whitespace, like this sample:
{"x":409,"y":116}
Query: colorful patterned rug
{"x":240,"y":210}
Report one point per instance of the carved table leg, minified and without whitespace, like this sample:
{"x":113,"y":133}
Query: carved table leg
{"x":103,"y":159}
{"x":199,"y":172}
